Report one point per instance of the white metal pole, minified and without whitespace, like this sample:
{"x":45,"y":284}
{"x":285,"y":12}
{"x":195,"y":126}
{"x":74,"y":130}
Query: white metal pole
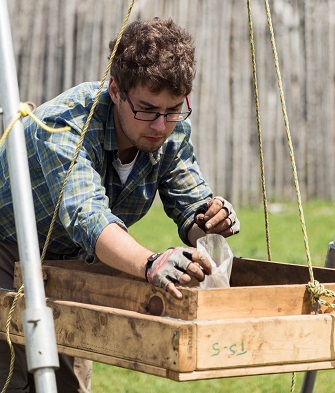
{"x":41,"y":348}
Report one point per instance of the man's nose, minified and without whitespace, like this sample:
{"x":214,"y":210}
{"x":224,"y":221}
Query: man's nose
{"x":159,"y":124}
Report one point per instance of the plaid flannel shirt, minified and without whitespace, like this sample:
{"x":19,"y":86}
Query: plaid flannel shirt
{"x":94,"y":196}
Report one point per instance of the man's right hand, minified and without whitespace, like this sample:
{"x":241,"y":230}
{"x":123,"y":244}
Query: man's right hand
{"x":177,"y":266}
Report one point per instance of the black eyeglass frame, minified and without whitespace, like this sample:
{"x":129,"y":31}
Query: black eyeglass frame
{"x":182,"y":115}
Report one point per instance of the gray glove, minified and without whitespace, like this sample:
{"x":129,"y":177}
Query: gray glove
{"x":162,"y":269}
{"x":227,"y":206}
{"x":235,"y":223}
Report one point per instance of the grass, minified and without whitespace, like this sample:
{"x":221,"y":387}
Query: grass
{"x":157,"y":232}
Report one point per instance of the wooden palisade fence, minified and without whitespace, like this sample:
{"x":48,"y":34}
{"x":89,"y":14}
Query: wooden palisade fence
{"x":61,"y":43}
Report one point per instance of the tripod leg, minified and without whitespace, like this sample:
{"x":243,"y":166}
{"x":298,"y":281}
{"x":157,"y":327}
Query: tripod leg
{"x":308,"y":382}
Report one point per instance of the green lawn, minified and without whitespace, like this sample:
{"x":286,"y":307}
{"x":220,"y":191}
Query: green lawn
{"x":287,"y":245}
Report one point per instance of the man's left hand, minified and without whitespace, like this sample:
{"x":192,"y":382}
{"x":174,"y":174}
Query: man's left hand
{"x":219,"y":217}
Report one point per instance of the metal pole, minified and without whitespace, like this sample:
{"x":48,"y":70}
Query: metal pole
{"x":308,"y":382}
{"x":41,"y":348}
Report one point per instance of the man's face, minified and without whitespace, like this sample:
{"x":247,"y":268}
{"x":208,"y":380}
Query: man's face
{"x":146,"y":136}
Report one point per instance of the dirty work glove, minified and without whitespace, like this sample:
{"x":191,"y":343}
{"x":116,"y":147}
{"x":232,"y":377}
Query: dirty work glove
{"x":221,"y":214}
{"x":170,"y":266}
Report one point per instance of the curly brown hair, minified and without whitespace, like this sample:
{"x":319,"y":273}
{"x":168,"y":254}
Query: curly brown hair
{"x":156,"y":53}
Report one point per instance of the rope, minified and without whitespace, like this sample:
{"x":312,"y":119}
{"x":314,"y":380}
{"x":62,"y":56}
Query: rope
{"x":293,"y":382}
{"x":12,"y":351}
{"x":259,"y":131}
{"x":315,"y":289}
{"x":27,"y":109}
{"x":24,"y":110}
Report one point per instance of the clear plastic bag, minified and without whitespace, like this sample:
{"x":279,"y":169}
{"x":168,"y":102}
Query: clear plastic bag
{"x":217,"y":250}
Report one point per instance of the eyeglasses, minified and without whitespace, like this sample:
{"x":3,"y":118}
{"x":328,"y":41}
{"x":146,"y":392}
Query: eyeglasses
{"x":152,"y":116}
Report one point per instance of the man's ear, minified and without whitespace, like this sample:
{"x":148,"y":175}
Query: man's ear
{"x":113,"y":90}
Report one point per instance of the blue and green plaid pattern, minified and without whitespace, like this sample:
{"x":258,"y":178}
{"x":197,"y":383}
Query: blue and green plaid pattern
{"x":94,"y":195}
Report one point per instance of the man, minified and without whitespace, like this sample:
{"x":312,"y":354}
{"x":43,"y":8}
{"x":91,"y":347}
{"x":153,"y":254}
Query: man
{"x":138,"y":143}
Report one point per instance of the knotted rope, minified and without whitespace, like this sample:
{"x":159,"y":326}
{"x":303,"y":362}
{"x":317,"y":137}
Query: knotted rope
{"x":315,"y":289}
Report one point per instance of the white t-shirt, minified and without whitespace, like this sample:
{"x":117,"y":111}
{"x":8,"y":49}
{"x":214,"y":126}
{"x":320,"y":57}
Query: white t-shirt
{"x":124,"y":170}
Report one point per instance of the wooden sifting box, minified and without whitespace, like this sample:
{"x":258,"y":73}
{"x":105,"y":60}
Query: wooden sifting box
{"x":262,"y":324}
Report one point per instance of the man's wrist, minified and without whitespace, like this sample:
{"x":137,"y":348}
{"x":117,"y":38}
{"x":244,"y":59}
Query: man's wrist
{"x":150,"y":260}
{"x":195,"y":233}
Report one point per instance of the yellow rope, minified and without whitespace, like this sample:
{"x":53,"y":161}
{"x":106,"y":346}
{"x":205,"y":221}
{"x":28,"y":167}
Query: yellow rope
{"x":259,"y":131}
{"x":293,"y":382}
{"x":25,"y":110}
{"x":315,"y":289}
{"x":12,"y":351}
